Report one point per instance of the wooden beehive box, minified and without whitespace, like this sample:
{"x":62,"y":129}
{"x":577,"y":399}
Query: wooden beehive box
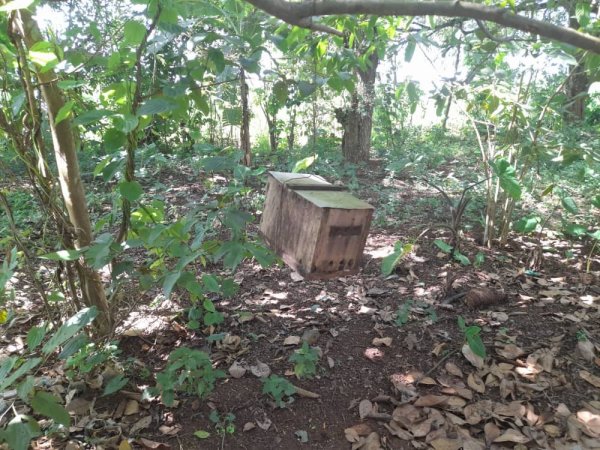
{"x":316,"y":227}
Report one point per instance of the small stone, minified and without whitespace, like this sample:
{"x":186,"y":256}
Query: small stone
{"x":310,"y":336}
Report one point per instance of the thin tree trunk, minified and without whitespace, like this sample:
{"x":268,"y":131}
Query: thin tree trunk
{"x":291,"y":137}
{"x":69,"y":177}
{"x":358,"y":119}
{"x":245,"y":127}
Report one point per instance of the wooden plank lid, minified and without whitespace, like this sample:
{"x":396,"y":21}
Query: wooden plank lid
{"x":305,"y":181}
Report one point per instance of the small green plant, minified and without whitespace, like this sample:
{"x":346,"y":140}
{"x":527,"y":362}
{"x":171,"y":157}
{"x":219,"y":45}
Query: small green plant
{"x":188,"y":371}
{"x":452,"y":251}
{"x":223,"y":423}
{"x":305,"y":361}
{"x":389,"y":263}
{"x":6,"y":272}
{"x":472,"y":337}
{"x":403,"y":314}
{"x":581,"y":336}
{"x":90,"y":357}
{"x":279,"y":388}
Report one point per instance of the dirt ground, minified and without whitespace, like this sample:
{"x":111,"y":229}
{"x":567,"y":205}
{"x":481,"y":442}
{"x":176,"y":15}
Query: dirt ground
{"x":394,"y":371}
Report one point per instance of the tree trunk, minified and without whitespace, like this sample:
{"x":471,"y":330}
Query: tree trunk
{"x":69,"y":177}
{"x":358,"y":119}
{"x":245,"y":127}
{"x":577,"y":87}
{"x":291,"y":137}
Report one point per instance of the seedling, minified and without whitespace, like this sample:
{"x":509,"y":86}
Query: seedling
{"x":279,"y":388}
{"x":472,"y":337}
{"x":403,"y":314}
{"x":305,"y":361}
{"x":223,"y":424}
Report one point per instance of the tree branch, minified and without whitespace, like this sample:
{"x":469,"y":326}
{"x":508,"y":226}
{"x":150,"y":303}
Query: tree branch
{"x":301,"y":13}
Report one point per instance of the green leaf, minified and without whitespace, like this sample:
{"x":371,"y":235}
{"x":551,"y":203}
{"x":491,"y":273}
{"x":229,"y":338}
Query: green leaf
{"x":64,"y":112}
{"x":507,"y":175}
{"x":92,"y":116}
{"x":443,"y":246}
{"x":47,"y":405}
{"x":596,"y":201}
{"x":115,"y":384}
{"x":26,"y":388}
{"x":35,"y":335}
{"x":16,"y":4}
{"x":477,"y":345}
{"x":70,"y":328}
{"x":211,"y":284}
{"x":65,"y":85}
{"x":389,"y":263}
{"x":22,"y":370}
{"x":280,"y":91}
{"x":19,"y":432}
{"x":479,"y":259}
{"x":216,"y":60}
{"x":201,"y":434}
{"x":134,"y":33}
{"x":595,"y":235}
{"x":157,"y":105}
{"x":305,"y":163}
{"x":527,"y":224}
{"x":569,"y":204}
{"x":63,"y":255}
{"x":130,"y":190}
{"x":42,"y":53}
{"x":305,"y":88}
{"x":410,"y":50}
{"x":575,"y":230}
{"x":461,"y":258}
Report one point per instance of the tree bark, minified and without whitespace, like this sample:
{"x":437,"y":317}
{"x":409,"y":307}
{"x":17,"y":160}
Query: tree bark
{"x":245,"y":127}
{"x":302,"y":13}
{"x":69,"y":177}
{"x":357,"y":120}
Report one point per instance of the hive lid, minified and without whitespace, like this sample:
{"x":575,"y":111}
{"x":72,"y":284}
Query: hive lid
{"x":333,"y":199}
{"x":305,"y":181}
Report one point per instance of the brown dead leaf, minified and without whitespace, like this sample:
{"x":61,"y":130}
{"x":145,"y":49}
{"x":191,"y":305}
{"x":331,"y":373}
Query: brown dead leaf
{"x":152,"y":445}
{"x":478,"y":411}
{"x":586,"y":350}
{"x":438,"y":349}
{"x":372,"y":442}
{"x":427,"y":381}
{"x":590,"y":422}
{"x":260,"y":370}
{"x":476,"y":383}
{"x":446,"y":444}
{"x":411,"y":340}
{"x":378,"y":342}
{"x":236,"y":370}
{"x":511,"y":435}
{"x":396,"y":430}
{"x":291,"y":340}
{"x":132,"y":407}
{"x":169,"y":430}
{"x":592,"y":379}
{"x":453,"y":369}
{"x":360,"y":429}
{"x":474,"y":359}
{"x":124,"y":445}
{"x":364,"y":408}
{"x":141,"y":424}
{"x":432,"y":400}
{"x":491,"y":432}
{"x":422,"y":428}
{"x":249,"y":426}
{"x":406,"y":415}
{"x":510,"y":351}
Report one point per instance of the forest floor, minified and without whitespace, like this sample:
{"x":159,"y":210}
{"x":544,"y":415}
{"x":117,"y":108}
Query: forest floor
{"x":394,"y":371}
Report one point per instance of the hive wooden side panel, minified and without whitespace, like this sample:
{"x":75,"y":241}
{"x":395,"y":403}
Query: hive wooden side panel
{"x":319,"y":232}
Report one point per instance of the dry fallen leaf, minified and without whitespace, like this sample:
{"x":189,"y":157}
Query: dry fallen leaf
{"x":476,"y":383}
{"x":510,"y":351}
{"x":586,"y":350}
{"x":236,"y":370}
{"x":474,"y":359}
{"x":431,"y":400}
{"x":249,"y":426}
{"x":453,"y":369}
{"x":169,"y":430}
{"x":491,"y":432}
{"x":378,"y":342}
{"x":133,"y":407}
{"x":260,"y":370}
{"x":511,"y":435}
{"x":364,"y":408}
{"x":592,"y":379}
{"x":446,"y":444}
{"x":291,"y":340}
{"x":354,"y":432}
{"x":144,"y":422}
{"x":152,"y":445}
